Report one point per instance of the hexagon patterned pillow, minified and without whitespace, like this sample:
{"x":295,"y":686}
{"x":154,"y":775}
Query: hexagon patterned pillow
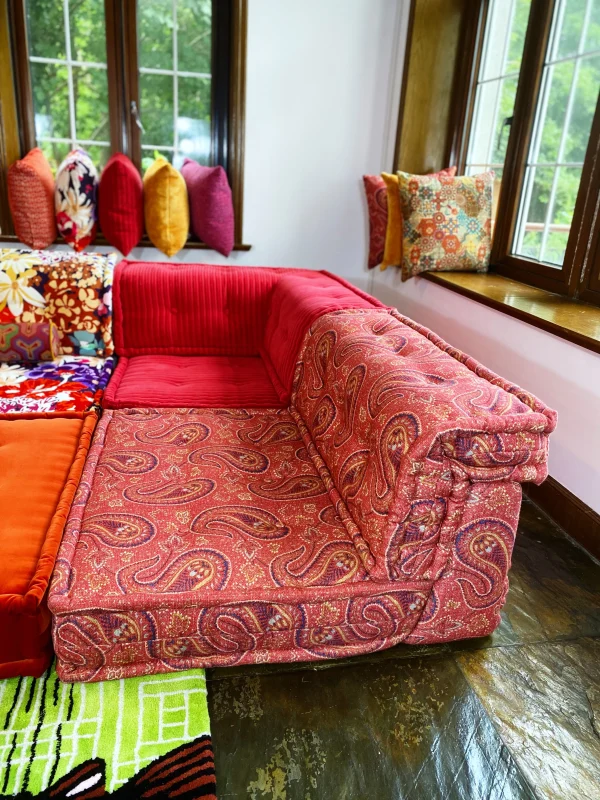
{"x":447,"y":222}
{"x":75,"y":199}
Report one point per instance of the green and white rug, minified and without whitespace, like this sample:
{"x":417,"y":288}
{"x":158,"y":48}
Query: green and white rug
{"x":147,"y":735}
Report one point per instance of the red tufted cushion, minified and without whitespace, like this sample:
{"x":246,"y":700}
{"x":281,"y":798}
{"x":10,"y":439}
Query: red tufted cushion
{"x":121,"y":204}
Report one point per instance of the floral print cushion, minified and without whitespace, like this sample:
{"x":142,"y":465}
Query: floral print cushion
{"x":71,"y":290}
{"x":75,"y":193}
{"x":447,"y":222}
{"x":71,"y":383}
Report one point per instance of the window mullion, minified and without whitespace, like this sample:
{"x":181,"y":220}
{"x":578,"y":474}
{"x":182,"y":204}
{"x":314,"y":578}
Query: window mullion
{"x":175,"y":84}
{"x":72,"y":125}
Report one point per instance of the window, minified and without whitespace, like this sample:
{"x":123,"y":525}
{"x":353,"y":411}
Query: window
{"x":532,"y":116}
{"x":67,"y":64}
{"x":143,"y":77}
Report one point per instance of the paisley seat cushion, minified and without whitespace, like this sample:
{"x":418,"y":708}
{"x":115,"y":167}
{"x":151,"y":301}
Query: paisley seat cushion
{"x":206,"y":537}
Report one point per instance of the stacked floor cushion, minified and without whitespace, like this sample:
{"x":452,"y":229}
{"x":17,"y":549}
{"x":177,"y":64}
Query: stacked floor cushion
{"x":210,"y":336}
{"x":376,"y":502}
{"x":41,"y":460}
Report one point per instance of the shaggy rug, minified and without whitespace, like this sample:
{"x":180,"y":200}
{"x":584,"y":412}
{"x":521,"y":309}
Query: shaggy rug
{"x":139,"y":737}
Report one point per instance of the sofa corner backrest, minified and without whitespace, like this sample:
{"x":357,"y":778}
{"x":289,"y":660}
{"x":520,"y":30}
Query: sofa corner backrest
{"x":401,"y":420}
{"x":190,"y":309}
{"x":296,"y":302}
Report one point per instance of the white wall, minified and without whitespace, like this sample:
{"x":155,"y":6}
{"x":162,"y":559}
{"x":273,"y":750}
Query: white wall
{"x":563,"y":375}
{"x":319,"y":94}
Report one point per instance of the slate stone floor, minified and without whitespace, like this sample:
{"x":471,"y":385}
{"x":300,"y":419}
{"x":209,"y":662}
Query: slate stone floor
{"x":512,"y":716}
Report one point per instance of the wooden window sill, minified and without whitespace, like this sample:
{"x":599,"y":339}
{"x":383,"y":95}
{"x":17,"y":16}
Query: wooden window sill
{"x":569,"y":319}
{"x":100,"y":241}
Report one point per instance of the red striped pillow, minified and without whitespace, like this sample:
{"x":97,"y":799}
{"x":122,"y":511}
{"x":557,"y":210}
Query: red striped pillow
{"x":121,"y":204}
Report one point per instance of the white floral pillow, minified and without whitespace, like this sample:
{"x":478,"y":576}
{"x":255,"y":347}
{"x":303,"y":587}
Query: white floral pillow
{"x":75,"y":200}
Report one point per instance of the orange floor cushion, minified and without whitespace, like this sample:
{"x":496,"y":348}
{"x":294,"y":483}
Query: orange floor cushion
{"x":41,"y":459}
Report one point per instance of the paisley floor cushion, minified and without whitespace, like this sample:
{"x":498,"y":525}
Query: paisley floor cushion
{"x":35,"y":497}
{"x":207,"y":537}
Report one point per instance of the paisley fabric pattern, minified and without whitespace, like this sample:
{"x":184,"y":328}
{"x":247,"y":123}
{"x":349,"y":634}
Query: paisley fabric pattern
{"x":377,"y":206}
{"x":70,"y":383}
{"x":72,"y":291}
{"x":380,"y":508}
{"x":397,"y":423}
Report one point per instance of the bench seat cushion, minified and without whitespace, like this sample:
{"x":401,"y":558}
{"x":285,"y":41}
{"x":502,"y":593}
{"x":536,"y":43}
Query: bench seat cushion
{"x":70,"y":383}
{"x":205,"y":538}
{"x":201,"y":381}
{"x":35,"y":496}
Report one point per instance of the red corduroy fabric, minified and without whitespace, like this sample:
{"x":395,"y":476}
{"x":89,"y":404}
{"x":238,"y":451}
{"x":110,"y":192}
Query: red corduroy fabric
{"x":295,"y":304}
{"x":197,"y":309}
{"x":160,"y":381}
{"x":120,"y":203}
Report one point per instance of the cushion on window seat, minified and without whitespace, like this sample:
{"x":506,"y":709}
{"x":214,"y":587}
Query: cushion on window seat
{"x":35,"y":497}
{"x":213,"y":541}
{"x":196,"y":381}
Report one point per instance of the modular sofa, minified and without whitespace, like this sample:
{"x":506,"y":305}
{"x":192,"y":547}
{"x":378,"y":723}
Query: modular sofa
{"x":286,"y":470}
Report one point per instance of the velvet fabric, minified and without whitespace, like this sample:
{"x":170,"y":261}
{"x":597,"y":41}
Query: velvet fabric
{"x":35,"y":496}
{"x":121,"y":203}
{"x":31,"y":200}
{"x":211,"y":206}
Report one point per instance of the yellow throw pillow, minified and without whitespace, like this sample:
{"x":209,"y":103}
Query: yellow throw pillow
{"x":392,"y":251}
{"x":166,"y":210}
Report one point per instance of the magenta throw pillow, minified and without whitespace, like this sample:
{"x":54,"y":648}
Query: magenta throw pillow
{"x":211,"y":206}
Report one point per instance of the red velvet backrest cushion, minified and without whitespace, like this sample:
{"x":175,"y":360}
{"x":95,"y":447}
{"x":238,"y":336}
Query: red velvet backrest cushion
{"x":211,"y":205}
{"x":296,"y":302}
{"x":121,"y":204}
{"x":192,"y":309}
{"x":31,"y":200}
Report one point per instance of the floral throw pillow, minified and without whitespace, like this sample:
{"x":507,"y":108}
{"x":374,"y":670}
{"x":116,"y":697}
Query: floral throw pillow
{"x":75,"y":200}
{"x":447,"y":222}
{"x":71,"y":290}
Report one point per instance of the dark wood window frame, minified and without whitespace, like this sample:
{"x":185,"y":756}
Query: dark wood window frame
{"x":579,"y":277}
{"x":17,"y":130}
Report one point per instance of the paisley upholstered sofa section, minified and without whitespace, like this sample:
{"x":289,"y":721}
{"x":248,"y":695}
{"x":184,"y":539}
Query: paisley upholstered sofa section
{"x":363,"y":489}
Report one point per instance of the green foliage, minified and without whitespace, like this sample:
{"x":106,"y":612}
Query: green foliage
{"x":46,"y":31}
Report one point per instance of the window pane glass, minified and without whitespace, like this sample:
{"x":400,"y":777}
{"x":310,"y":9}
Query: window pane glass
{"x":175,"y":45}
{"x":87,"y":25}
{"x":506,"y":26}
{"x":565,"y":108}
{"x":50,"y":87}
{"x":155,"y":33}
{"x":156,"y":102}
{"x":194,"y":35}
{"x":67,"y":54}
{"x":46,"y":28}
{"x":91,"y":103}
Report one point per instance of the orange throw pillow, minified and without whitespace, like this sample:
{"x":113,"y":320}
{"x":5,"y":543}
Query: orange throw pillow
{"x":31,"y":200}
{"x":392,"y":253}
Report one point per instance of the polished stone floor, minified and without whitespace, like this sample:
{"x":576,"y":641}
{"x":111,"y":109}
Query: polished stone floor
{"x":515,"y":715}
